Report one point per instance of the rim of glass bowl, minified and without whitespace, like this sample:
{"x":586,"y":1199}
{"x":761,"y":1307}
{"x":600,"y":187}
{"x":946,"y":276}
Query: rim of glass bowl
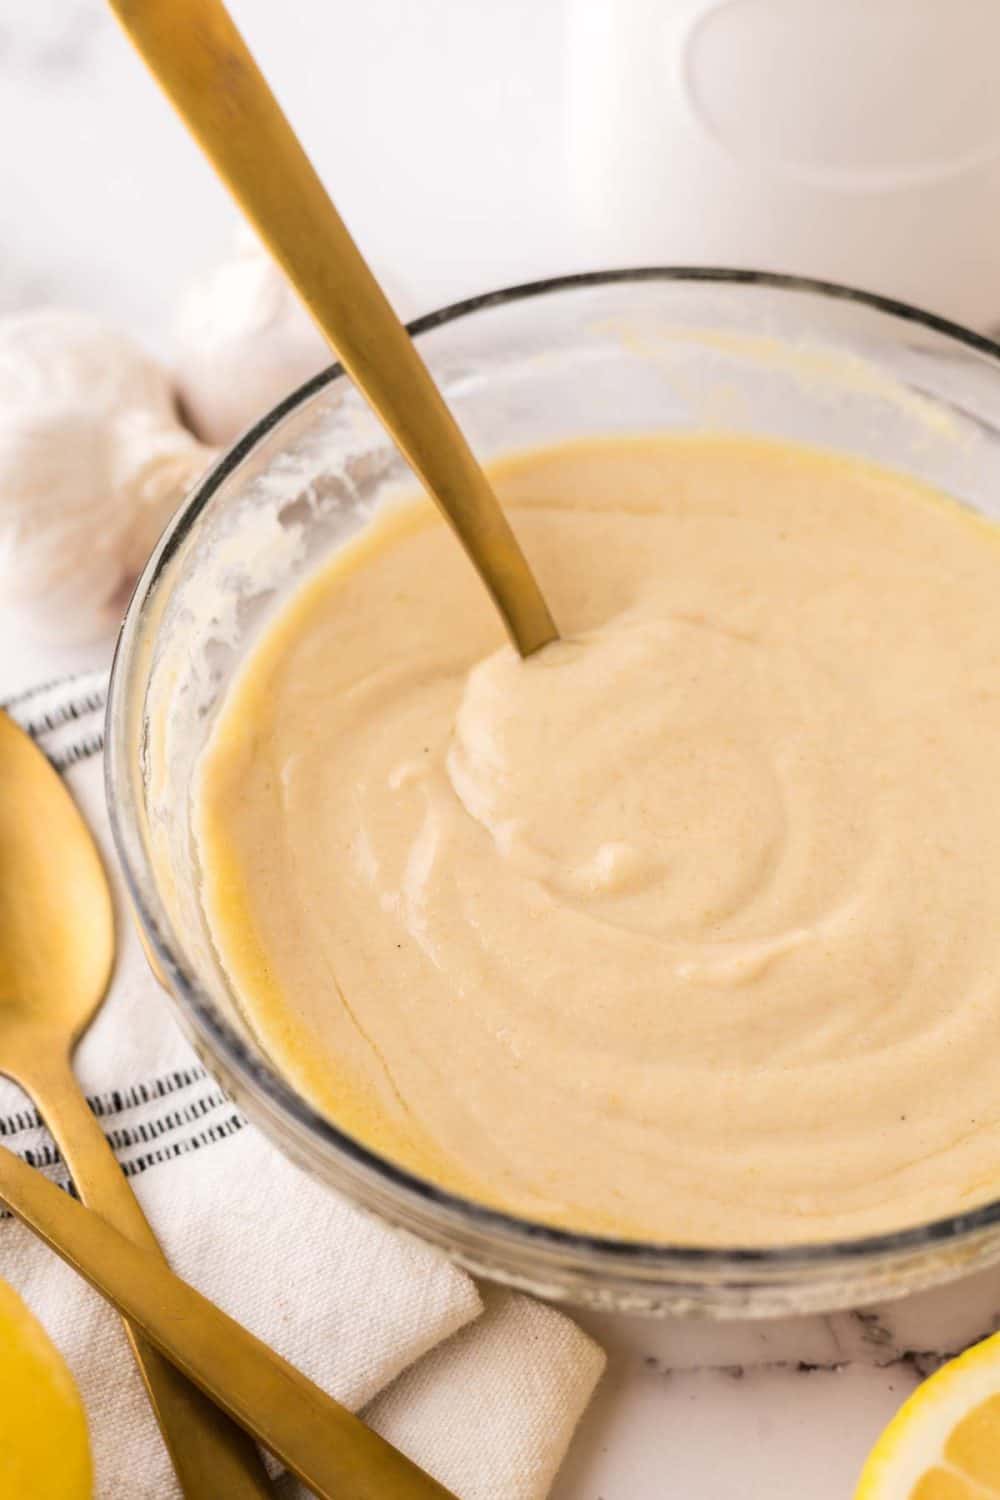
{"x":260,"y":1079}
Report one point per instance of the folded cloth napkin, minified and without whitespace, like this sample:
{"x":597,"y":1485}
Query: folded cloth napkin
{"x":483,"y":1389}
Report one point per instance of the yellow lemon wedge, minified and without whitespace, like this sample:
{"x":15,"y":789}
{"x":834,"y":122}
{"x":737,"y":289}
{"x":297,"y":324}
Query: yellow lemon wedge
{"x":44,"y":1447}
{"x":944,"y":1442}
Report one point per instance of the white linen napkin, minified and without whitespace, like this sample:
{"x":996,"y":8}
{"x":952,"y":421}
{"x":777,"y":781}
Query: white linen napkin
{"x":486,"y":1400}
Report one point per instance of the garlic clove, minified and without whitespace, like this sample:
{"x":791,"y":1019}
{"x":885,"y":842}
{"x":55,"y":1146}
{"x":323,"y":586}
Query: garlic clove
{"x":155,"y":466}
{"x":242,"y":341}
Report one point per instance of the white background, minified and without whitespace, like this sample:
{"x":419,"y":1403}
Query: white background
{"x":438,"y":128}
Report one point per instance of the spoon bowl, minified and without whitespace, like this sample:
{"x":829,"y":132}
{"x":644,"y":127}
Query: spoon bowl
{"x":57,"y":934}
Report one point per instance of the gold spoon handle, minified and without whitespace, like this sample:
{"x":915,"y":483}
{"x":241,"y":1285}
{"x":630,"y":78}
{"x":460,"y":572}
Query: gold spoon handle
{"x":320,"y":1441}
{"x":211,"y":1455}
{"x":202,"y":63}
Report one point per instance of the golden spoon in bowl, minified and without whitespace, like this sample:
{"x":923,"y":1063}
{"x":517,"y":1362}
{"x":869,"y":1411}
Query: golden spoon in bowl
{"x":57,"y":948}
{"x":202,"y":63}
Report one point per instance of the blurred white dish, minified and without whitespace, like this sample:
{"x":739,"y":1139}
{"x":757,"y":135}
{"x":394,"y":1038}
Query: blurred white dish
{"x":857,"y":141}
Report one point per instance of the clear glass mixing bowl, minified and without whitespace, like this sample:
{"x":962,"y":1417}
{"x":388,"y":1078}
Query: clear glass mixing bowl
{"x":615,"y":352}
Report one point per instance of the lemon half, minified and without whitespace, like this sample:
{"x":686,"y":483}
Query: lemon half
{"x":44,"y":1447}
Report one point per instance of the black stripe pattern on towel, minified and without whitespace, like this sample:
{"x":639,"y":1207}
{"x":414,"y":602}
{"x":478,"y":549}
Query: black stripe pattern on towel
{"x":150,"y":1121}
{"x":65,"y":716}
{"x":200,"y":1116}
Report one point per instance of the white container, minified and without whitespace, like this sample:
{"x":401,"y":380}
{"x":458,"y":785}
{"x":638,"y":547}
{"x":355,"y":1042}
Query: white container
{"x":857,"y":140}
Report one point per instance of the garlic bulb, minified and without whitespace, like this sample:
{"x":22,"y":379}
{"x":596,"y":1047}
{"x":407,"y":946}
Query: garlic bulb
{"x":93,"y":461}
{"x":242,"y":341}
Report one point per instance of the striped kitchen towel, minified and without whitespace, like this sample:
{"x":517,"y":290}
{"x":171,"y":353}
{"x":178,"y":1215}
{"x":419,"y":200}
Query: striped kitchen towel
{"x":485,"y":1397}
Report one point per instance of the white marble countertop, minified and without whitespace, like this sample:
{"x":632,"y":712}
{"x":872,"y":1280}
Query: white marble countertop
{"x":439,"y":129}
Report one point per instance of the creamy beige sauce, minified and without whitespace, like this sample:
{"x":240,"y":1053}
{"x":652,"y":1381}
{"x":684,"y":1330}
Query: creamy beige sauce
{"x":689,"y":926}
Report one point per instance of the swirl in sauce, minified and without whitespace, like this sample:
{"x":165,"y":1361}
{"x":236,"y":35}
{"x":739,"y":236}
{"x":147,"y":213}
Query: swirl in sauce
{"x":686,"y":928}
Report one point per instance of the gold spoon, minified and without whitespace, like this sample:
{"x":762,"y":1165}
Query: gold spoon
{"x":202,"y":63}
{"x":320,"y":1441}
{"x":57,"y":948}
